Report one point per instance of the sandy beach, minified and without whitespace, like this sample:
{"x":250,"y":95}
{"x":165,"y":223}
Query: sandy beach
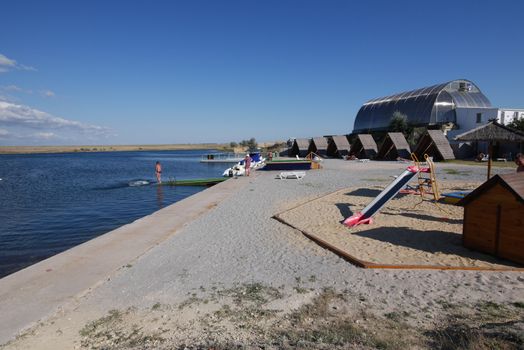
{"x":231,"y":276}
{"x":410,"y":231}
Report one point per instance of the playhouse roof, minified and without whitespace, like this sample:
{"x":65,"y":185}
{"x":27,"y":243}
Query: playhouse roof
{"x":341,"y":142}
{"x":302,"y":144}
{"x":367,"y":141}
{"x":394,"y":141}
{"x":514,"y":183}
{"x":320,"y":142}
{"x":365,"y":145}
{"x":436,"y":138}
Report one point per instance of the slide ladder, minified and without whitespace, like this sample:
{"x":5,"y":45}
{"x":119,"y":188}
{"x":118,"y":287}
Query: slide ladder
{"x":365,"y":216}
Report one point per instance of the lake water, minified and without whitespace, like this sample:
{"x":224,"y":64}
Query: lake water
{"x":52,"y":202}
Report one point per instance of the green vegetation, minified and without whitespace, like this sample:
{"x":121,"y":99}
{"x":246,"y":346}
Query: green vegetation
{"x":518,"y":304}
{"x":517,"y":124}
{"x":484,"y":164}
{"x":246,"y":317}
{"x":457,"y":172}
{"x":399,"y":123}
{"x":250,"y":144}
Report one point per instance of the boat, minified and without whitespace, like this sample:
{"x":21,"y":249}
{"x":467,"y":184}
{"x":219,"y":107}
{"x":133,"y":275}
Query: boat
{"x":239,"y":169}
{"x":193,"y":182}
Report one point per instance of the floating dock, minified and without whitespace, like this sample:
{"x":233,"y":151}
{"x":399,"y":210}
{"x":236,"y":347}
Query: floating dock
{"x":287,"y":164}
{"x":222,"y":158}
{"x":194,"y":182}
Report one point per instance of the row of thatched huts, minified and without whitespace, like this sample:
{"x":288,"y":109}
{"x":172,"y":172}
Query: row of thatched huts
{"x":363,"y":146}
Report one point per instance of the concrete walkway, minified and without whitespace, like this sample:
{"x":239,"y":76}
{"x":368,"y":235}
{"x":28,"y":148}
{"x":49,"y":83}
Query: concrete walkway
{"x":41,"y":290}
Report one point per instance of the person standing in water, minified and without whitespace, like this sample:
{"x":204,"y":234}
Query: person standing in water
{"x":158,"y":172}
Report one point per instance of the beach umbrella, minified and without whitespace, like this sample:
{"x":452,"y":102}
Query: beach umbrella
{"x":491,"y":132}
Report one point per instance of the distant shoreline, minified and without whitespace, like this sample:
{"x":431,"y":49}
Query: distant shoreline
{"x":108,"y":148}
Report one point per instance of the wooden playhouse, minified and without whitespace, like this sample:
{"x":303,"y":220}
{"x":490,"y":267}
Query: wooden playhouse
{"x":364,"y":146}
{"x":338,"y":146}
{"x":319,"y":146}
{"x":494,"y":217}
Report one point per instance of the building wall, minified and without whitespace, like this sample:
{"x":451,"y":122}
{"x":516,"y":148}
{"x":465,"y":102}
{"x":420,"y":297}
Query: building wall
{"x":468,"y":118}
{"x":506,"y":116}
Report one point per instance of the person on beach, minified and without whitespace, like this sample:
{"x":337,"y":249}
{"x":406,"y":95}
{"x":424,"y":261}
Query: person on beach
{"x":519,"y":160}
{"x":247,"y":164}
{"x":158,"y":172}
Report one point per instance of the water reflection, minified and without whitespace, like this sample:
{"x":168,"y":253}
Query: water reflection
{"x":160,"y":196}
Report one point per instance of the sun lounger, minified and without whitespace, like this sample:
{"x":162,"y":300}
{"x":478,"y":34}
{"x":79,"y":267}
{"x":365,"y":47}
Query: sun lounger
{"x":291,"y":175}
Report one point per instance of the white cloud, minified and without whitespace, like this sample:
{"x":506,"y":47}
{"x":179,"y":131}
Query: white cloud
{"x":7,"y":64}
{"x":11,"y":88}
{"x":4,"y":133}
{"x":45,"y":135}
{"x":17,"y":115}
{"x":47,"y":93}
{"x":5,"y":98}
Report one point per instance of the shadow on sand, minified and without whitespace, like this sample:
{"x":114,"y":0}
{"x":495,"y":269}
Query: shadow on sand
{"x":345,"y":210}
{"x":429,"y":241}
{"x":426,"y":217}
{"x":364,"y":192}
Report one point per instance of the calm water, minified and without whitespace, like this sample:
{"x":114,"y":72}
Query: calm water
{"x":52,"y":202}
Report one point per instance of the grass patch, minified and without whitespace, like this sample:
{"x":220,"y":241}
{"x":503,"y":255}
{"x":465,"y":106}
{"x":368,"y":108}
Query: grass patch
{"x":254,"y":293}
{"x":192,"y":300}
{"x":91,"y":328}
{"x":507,"y":164}
{"x":518,"y":304}
{"x":489,"y":309}
{"x":324,"y":324}
{"x":301,"y":290}
{"x":457,"y":172}
{"x":483,"y":337}
{"x":110,"y":332}
{"x":396,"y":316}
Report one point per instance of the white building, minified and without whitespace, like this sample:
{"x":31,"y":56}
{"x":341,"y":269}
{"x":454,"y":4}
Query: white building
{"x":507,"y":115}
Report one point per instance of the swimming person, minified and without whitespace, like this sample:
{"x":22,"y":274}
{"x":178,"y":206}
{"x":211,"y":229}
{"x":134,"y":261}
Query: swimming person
{"x":158,"y":172}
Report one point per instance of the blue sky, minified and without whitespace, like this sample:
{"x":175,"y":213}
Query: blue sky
{"x":146,"y":72}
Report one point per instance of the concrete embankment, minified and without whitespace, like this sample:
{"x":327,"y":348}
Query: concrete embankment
{"x":40,"y":290}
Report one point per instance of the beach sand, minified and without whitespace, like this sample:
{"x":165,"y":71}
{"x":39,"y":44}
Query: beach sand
{"x":234,"y":277}
{"x":409,"y":230}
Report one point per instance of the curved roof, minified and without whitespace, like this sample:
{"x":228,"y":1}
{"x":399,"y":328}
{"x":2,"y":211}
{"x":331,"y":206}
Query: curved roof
{"x":427,"y":106}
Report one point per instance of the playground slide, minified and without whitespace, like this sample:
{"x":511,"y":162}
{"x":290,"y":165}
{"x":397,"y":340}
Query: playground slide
{"x":365,"y":216}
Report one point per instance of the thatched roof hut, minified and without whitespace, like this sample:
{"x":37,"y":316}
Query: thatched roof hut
{"x":338,"y":146}
{"x":434,"y":144}
{"x":394,"y":146}
{"x":319,"y":146}
{"x":364,"y":146}
{"x":492,"y":132}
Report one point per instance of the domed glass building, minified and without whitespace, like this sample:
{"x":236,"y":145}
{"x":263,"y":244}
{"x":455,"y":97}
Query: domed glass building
{"x":459,"y":102}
